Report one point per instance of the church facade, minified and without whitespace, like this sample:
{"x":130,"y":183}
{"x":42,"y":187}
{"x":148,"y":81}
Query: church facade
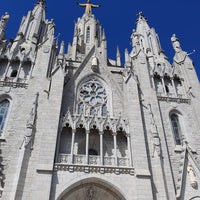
{"x":76,"y":125}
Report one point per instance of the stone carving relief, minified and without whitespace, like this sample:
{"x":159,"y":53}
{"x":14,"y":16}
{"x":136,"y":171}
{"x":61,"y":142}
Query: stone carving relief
{"x":192,"y":176}
{"x":91,"y":193}
{"x":94,"y":63}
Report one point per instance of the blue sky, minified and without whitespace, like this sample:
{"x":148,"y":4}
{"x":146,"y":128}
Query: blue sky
{"x":118,"y":19}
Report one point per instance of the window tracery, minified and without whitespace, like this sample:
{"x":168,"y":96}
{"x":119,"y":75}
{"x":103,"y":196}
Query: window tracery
{"x":176,"y":128}
{"x":92,"y":98}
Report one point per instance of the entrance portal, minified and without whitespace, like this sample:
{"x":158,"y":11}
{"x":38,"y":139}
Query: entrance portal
{"x":96,"y":190}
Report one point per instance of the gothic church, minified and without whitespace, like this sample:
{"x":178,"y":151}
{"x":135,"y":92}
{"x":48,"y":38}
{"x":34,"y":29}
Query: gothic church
{"x":76,"y":125}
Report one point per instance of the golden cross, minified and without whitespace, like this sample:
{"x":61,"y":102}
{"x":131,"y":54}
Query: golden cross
{"x":88,"y":6}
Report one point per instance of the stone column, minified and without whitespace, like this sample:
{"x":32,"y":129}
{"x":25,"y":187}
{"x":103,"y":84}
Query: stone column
{"x":30,"y":75}
{"x":115,"y":147}
{"x":19,"y":70}
{"x":153,"y":83}
{"x":163,"y":83}
{"x":129,"y":149}
{"x":183,"y":86}
{"x":72,"y":146}
{"x":7,"y":67}
{"x":174,"y":87}
{"x":87,"y":146}
{"x":101,"y":147}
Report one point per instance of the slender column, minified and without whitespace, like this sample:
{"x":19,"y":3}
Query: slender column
{"x":153,"y":83}
{"x":172,"y":80}
{"x":30,"y":75}
{"x":101,"y":147}
{"x":19,"y":70}
{"x":87,"y":146}
{"x":7,"y":67}
{"x":183,"y":86}
{"x":72,"y":146}
{"x":129,"y":150}
{"x":115,"y":147}
{"x":163,"y":83}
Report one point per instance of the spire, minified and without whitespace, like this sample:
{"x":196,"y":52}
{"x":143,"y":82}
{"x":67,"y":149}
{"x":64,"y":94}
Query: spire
{"x":88,"y":7}
{"x":104,"y":35}
{"x":142,"y":23}
{"x":118,"y":57}
{"x":62,"y":50}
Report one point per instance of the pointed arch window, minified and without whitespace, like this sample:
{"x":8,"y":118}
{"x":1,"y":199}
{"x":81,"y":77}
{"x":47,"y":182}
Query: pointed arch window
{"x":88,"y":35}
{"x":4,"y":106}
{"x":176,"y":128}
{"x":104,"y":110}
{"x":14,"y":73}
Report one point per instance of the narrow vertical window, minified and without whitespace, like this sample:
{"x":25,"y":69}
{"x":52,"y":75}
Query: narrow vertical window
{"x":104,"y":110}
{"x":80,"y":108}
{"x":13,"y":73}
{"x":176,"y":128}
{"x":4,"y":105}
{"x":88,"y":35}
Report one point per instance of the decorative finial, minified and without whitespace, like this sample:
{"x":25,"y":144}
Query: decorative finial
{"x":41,"y":2}
{"x":141,"y":16}
{"x":88,"y":6}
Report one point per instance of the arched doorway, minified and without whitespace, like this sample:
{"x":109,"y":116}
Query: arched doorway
{"x":91,"y":189}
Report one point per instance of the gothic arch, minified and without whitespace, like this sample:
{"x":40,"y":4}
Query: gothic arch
{"x":92,"y":188}
{"x":195,"y":198}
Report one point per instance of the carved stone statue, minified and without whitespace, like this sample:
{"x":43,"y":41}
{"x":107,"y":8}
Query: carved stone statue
{"x":91,"y":193}
{"x":175,"y":43}
{"x":94,"y":63}
{"x":75,"y":148}
{"x":179,"y":53}
{"x":192,"y":176}
{"x":154,"y":133}
{"x":3,"y":23}
{"x":30,"y":125}
{"x":88,"y":6}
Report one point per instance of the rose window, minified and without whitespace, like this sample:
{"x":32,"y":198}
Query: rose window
{"x":92,"y":98}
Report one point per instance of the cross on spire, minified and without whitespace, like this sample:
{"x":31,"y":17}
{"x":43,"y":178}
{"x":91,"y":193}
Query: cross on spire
{"x":88,"y":6}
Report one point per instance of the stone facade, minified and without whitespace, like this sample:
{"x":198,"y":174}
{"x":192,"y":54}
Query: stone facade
{"x":79,"y":125}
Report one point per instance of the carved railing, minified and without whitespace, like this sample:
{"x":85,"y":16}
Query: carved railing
{"x":109,"y":161}
{"x":64,"y":158}
{"x":180,"y":98}
{"x":123,"y":162}
{"x":94,"y":165}
{"x":79,"y":159}
{"x":93,"y":160}
{"x":13,"y":82}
